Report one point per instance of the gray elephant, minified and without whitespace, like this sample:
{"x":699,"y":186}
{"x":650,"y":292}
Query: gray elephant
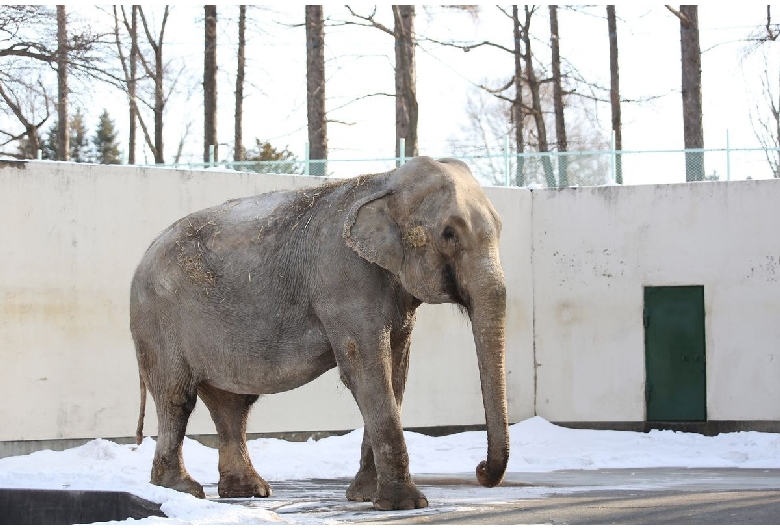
{"x":263,"y":294}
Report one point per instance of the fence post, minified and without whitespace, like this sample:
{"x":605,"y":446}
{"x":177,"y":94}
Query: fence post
{"x":40,"y":154}
{"x":211,"y":156}
{"x":401,"y":151}
{"x":306,"y":161}
{"x":506,"y":161}
{"x":728,"y":157}
{"x":612,"y":161}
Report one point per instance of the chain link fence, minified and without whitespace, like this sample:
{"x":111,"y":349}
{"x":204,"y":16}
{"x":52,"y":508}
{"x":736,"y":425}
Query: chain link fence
{"x":554,"y":169}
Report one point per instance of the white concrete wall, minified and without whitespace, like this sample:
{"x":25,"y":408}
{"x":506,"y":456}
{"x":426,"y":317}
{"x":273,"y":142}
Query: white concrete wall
{"x":576,"y":262}
{"x":72,"y":237}
{"x":594,"y":251}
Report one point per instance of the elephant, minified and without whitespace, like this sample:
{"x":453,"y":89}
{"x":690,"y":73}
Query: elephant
{"x":263,"y":294}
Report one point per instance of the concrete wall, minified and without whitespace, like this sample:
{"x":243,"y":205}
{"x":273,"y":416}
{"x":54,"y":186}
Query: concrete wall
{"x":594,"y":251}
{"x":74,"y":235}
{"x":575,"y":260}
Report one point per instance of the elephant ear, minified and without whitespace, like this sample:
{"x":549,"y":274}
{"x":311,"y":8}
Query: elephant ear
{"x":371,"y":231}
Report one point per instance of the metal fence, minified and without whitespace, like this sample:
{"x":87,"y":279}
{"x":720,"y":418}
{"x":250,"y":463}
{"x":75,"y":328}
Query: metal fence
{"x":555,"y":169}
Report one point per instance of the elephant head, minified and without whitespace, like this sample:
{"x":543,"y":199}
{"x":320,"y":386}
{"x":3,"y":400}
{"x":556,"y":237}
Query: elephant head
{"x":434,"y":228}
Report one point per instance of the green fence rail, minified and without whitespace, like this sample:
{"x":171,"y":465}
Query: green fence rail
{"x":554,"y":169}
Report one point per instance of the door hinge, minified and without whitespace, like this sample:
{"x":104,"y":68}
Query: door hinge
{"x":646,"y":318}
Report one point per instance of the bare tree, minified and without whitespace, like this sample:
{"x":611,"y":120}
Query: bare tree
{"x":210,"y":84}
{"x":536,"y":103}
{"x":129,"y":72}
{"x":238,"y":136}
{"x":560,"y":123}
{"x":405,"y":72}
{"x":24,"y":98}
{"x":156,"y":71}
{"x":315,"y":88}
{"x":131,"y":83}
{"x":614,"y":91}
{"x":525,"y":78}
{"x":63,"y":129}
{"x":489,"y":123}
{"x":517,"y":102}
{"x":693,"y":131}
{"x":28,"y":41}
{"x":25,"y":103}
{"x":406,"y":112}
{"x":765,"y":116}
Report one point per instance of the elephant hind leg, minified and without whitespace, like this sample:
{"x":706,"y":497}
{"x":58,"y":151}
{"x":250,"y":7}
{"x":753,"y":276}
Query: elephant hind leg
{"x":237,"y":475}
{"x":174,"y":405}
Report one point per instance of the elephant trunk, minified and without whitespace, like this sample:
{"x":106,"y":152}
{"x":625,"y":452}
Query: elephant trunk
{"x":488,"y":317}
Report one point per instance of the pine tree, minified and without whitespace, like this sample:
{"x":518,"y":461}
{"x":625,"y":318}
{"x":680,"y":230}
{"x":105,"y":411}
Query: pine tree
{"x":272,"y":160}
{"x":49,"y":143}
{"x":105,"y":142}
{"x":80,"y":148}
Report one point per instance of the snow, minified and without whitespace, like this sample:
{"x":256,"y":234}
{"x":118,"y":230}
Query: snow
{"x":536,"y":446}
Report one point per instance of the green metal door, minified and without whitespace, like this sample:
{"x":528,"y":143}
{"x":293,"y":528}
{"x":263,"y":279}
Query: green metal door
{"x":675,"y":386}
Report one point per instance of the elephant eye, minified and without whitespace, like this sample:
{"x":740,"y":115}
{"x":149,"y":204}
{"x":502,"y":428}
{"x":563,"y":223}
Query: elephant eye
{"x":449,"y":234}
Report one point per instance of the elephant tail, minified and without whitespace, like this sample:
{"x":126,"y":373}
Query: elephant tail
{"x":139,"y":431}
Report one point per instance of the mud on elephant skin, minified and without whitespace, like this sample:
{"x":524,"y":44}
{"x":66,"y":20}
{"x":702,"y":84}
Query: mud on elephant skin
{"x":263,"y":294}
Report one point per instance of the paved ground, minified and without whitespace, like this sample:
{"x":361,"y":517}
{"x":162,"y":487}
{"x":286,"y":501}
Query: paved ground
{"x":623,"y":496}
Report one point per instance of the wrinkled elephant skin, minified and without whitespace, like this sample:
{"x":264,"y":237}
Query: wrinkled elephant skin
{"x":263,"y":294}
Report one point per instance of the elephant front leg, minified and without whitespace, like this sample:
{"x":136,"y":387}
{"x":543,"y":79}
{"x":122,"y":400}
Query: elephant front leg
{"x":368,"y":375}
{"x":364,"y":485}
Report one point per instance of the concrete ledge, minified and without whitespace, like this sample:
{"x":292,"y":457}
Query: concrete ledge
{"x":708,"y":428}
{"x":29,"y":506}
{"x":25,"y":447}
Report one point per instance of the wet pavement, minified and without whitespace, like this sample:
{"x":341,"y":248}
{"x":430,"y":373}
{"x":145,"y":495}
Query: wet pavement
{"x":609,"y":496}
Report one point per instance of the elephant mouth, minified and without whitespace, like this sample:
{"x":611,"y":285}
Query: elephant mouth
{"x":452,"y":289}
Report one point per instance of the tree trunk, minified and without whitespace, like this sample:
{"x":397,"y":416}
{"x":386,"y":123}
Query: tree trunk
{"x":238,"y":140}
{"x":536,"y":103}
{"x":159,"y":95}
{"x":315,"y":88}
{"x":614,"y":92}
{"x":159,"y":105}
{"x":693,"y":133}
{"x":560,"y":124}
{"x":131,"y":83}
{"x":210,"y":84}
{"x":63,"y":131}
{"x":517,"y":104}
{"x":405,"y":80}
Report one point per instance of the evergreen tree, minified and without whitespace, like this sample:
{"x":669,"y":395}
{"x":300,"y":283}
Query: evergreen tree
{"x":80,"y":148}
{"x":272,"y":160}
{"x":105,"y":142}
{"x":49,"y":143}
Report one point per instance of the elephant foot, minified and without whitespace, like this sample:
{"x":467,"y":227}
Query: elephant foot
{"x":399,"y":496}
{"x":243,"y":485}
{"x":183,"y":483}
{"x":362,"y":488}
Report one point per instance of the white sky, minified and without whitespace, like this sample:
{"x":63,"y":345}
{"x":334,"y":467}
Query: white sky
{"x":536,"y":446}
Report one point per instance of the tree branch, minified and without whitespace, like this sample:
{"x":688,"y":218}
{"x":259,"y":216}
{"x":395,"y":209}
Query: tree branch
{"x":370,"y":21}
{"x":468,"y":47}
{"x":684,"y":19}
